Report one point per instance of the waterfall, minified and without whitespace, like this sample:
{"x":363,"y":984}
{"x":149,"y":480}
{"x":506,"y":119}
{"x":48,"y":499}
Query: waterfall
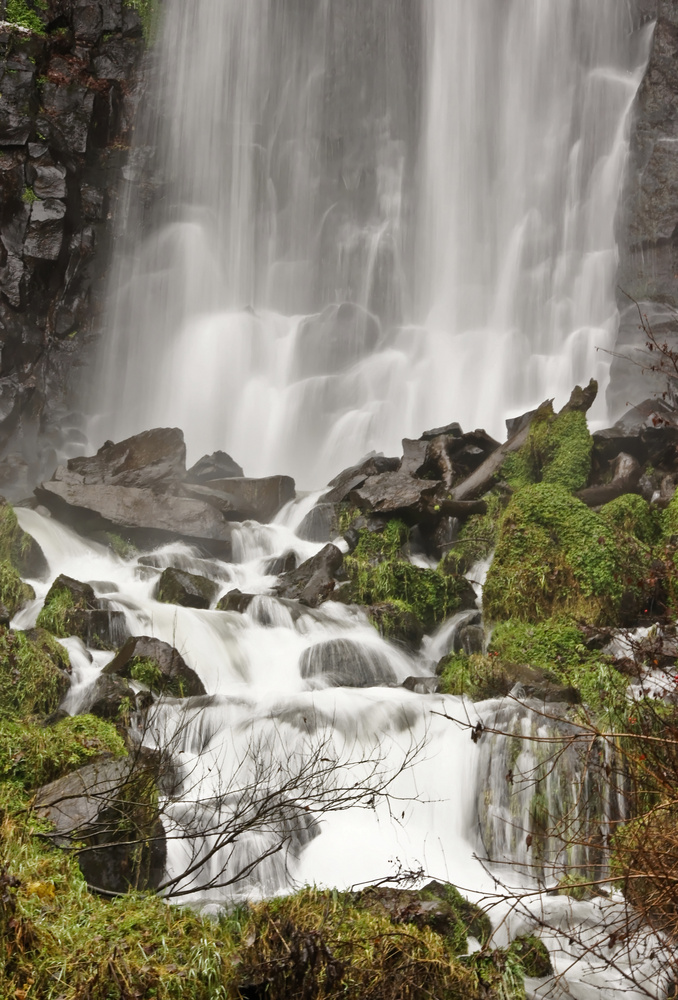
{"x":348,"y":220}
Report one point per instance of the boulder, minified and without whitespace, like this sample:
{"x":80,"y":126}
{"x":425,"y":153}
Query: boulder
{"x":320,"y":524}
{"x":242,"y":499}
{"x":146,"y":516}
{"x":110,"y":698}
{"x":108,"y":806}
{"x":284,"y":563}
{"x":344,"y":663}
{"x":158,"y":665}
{"x":626,"y":474}
{"x":422,"y":685}
{"x":72,"y":608}
{"x":397,"y":624}
{"x":334,"y":340}
{"x":235,"y":600}
{"x":153,"y":458}
{"x":175,"y":586}
{"x":218,"y":465}
{"x":313,"y":581}
{"x":349,"y":479}
{"x":410,"y":498}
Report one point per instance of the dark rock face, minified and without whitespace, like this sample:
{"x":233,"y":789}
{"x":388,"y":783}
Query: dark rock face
{"x":108,"y":806}
{"x":242,"y":499}
{"x":186,"y":589}
{"x":235,"y":600}
{"x":153,"y":657}
{"x":649,"y":238}
{"x":313,"y":581}
{"x":68,"y":100}
{"x":110,"y":698}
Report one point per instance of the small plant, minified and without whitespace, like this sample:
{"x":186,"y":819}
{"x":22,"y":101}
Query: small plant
{"x":29,"y":196}
{"x":23,"y":14}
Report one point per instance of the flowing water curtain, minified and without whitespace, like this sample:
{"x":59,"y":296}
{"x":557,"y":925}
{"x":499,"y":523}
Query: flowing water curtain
{"x":453,"y":170}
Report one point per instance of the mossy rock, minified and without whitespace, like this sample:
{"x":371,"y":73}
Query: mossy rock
{"x":33,"y":755}
{"x":17,"y":547}
{"x":72,"y":608}
{"x":477,"y":677}
{"x":557,"y":451}
{"x":396,"y":622}
{"x":477,"y":538}
{"x":548,"y":645}
{"x":14,"y":593}
{"x":32,"y":676}
{"x":632,"y":515}
{"x":556,"y":557}
{"x":532,"y":955}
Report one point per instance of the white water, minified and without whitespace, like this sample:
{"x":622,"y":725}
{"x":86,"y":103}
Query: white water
{"x":263,"y":719}
{"x":453,"y":168}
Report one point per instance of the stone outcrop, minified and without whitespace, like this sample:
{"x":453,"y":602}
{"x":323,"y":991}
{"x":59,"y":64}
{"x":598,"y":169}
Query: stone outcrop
{"x":69,"y":91}
{"x":156,"y":664}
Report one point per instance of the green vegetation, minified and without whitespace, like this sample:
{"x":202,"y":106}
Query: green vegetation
{"x":29,"y":196}
{"x":477,"y":537}
{"x":476,"y":676}
{"x":557,"y":451}
{"x":121,"y":547}
{"x":147,"y":11}
{"x":631,"y":515}
{"x":549,"y":645}
{"x":556,"y":557}
{"x":16,"y":546}
{"x":14,"y":593}
{"x":56,"y":613}
{"x":32,"y":677}
{"x":24,"y":14}
{"x":146,"y":671}
{"x":32,"y":755}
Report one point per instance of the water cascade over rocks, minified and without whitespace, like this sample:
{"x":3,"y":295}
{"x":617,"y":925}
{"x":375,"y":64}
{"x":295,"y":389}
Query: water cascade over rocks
{"x":285,"y":663}
{"x":338,"y":211}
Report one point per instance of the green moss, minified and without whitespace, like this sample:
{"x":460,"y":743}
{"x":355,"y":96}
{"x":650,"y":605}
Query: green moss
{"x":428,"y":594}
{"x":557,"y":451}
{"x":29,"y":196}
{"x":378,"y":546}
{"x":15,"y":545}
{"x":56,"y":612}
{"x":533,"y":956}
{"x":14,"y":593}
{"x":23,"y":13}
{"x":554,"y":557}
{"x":122,"y":548}
{"x":631,"y":515}
{"x":33,"y":755}
{"x":576,"y":886}
{"x":476,"y":676}
{"x":475,"y":921}
{"x":477,"y":537}
{"x":548,"y":645}
{"x":670,"y":517}
{"x":31,"y":679}
{"x":146,"y":672}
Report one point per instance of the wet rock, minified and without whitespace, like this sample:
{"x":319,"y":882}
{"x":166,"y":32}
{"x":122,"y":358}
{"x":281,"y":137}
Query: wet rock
{"x":45,"y":233}
{"x":110,"y":698}
{"x":626,"y":474}
{"x":313,"y":581}
{"x":109,"y":807}
{"x":343,"y":663}
{"x":72,"y":608}
{"x":235,"y":600}
{"x":154,"y":458}
{"x":470,"y":639}
{"x":48,"y":181}
{"x":284,"y":563}
{"x":453,"y":457}
{"x":334,"y":340}
{"x":244,"y":499}
{"x":218,"y":465}
{"x":422,"y":685}
{"x":392,"y":493}
{"x":397,"y":624}
{"x":175,"y":586}
{"x":320,"y":524}
{"x":147,"y":516}
{"x":355,"y":476}
{"x":158,"y":665}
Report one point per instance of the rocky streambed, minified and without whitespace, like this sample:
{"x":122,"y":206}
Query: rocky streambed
{"x":216,"y":690}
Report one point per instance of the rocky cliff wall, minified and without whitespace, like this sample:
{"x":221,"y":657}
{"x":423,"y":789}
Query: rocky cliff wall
{"x":69,"y":85}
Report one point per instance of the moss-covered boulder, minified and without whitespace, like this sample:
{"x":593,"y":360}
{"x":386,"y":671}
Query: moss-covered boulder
{"x":17,"y":547}
{"x":556,"y":557}
{"x":72,"y":608}
{"x":33,"y":677}
{"x":14,"y":593}
{"x":189,"y":590}
{"x":158,"y":666}
{"x":33,"y":755}
{"x":557,"y":451}
{"x":396,"y":622}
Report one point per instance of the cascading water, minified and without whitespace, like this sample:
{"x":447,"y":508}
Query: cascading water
{"x":263,"y":712}
{"x":347,"y":220}
{"x":352,"y":206}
